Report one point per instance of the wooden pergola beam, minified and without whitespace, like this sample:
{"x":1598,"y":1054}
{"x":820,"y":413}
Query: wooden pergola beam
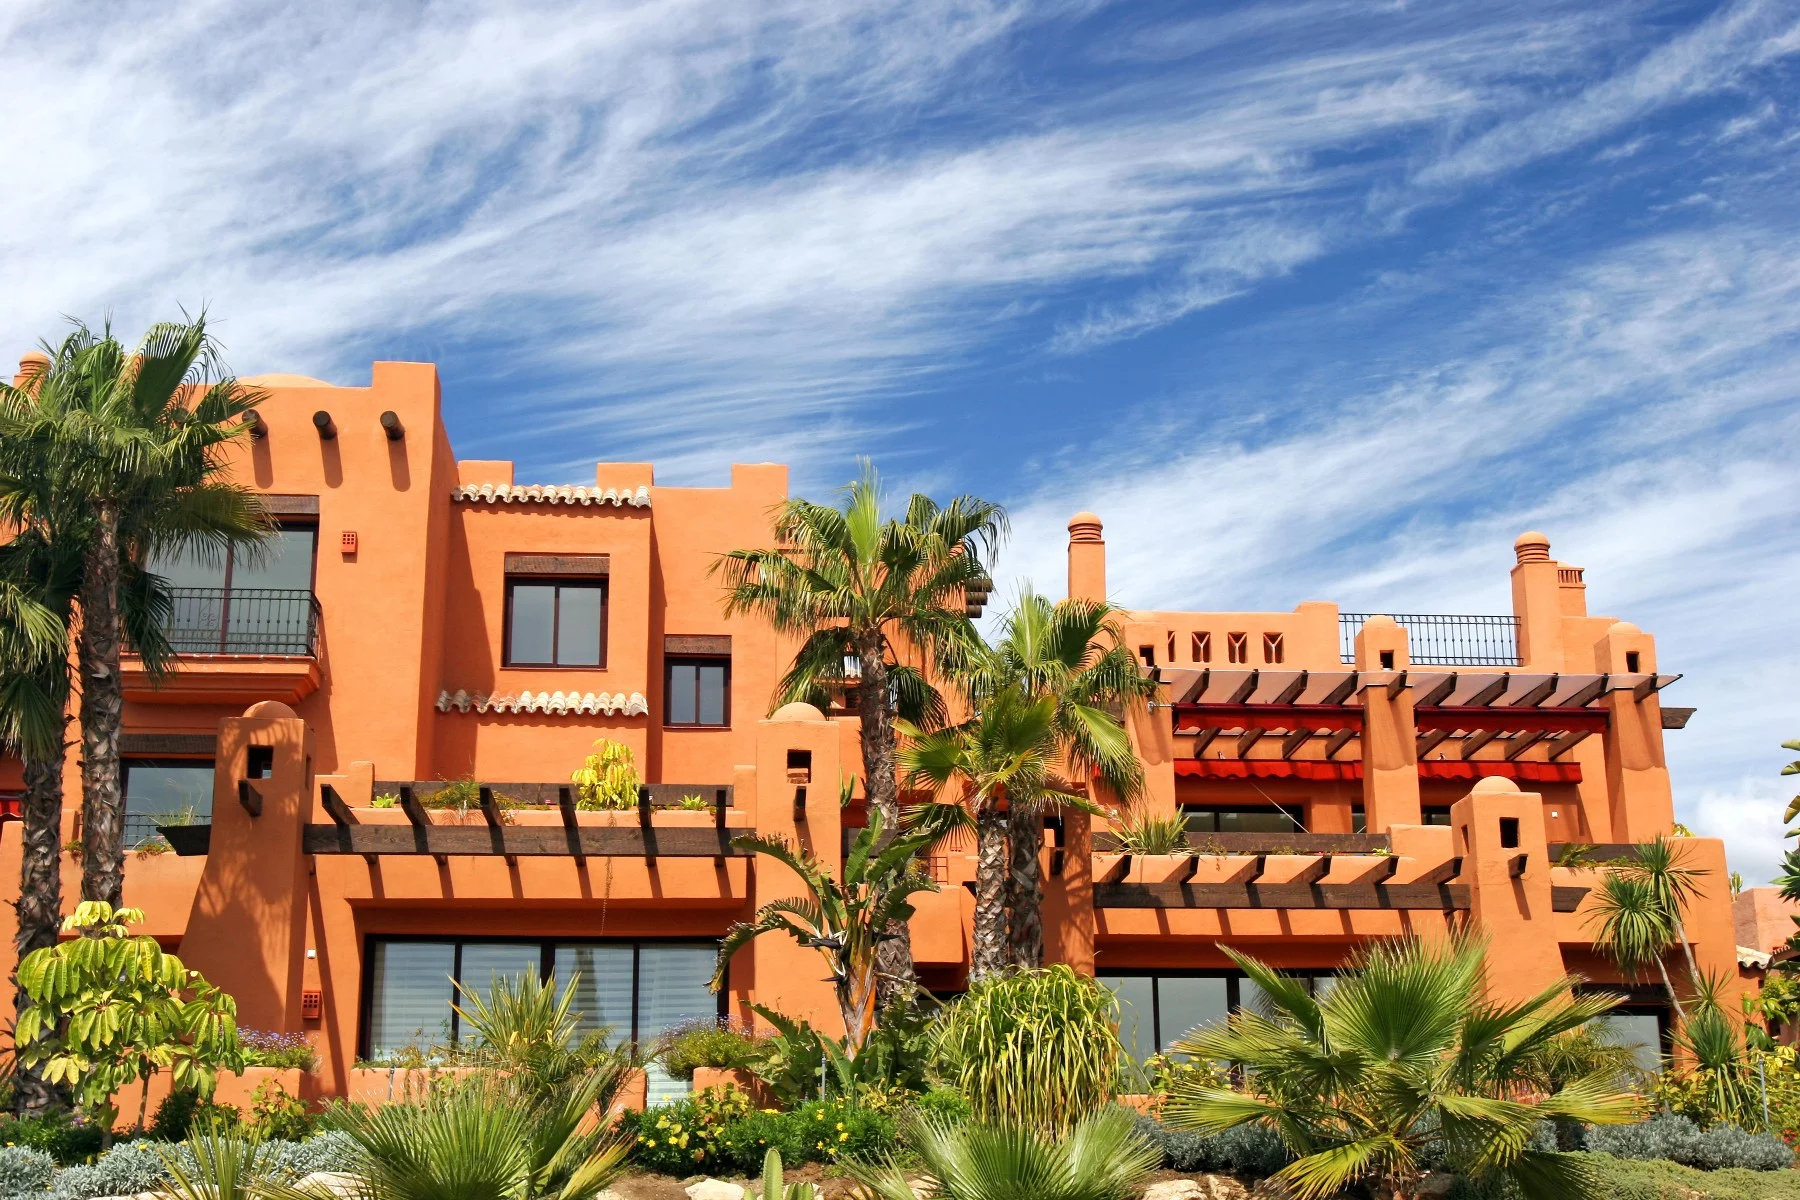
{"x":1293,"y":741}
{"x":1524,"y":742}
{"x":1292,"y":691}
{"x":1248,"y":739}
{"x":1343,"y":690}
{"x":1476,"y":741}
{"x":524,"y":841}
{"x":1428,"y":741}
{"x":1337,"y":741}
{"x":1538,"y":694}
{"x":1566,"y":742}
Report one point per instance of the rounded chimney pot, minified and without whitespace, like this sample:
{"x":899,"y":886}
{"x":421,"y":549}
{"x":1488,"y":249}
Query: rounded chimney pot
{"x":1085,"y":527}
{"x":1532,"y":547}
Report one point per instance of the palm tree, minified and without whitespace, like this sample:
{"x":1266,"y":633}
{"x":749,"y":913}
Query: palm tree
{"x":1069,"y":652}
{"x":845,"y":920}
{"x":864,"y":591}
{"x":1408,"y":1060}
{"x":1637,"y":912}
{"x":1101,"y":1158}
{"x":1006,"y":753}
{"x":135,"y":441}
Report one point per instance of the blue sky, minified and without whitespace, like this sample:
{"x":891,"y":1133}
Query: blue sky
{"x":1309,"y":300}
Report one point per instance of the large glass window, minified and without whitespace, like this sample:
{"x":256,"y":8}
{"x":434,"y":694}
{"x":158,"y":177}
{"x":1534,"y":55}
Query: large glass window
{"x":635,"y":991}
{"x":165,"y":791}
{"x":1241,"y":818}
{"x":256,"y":600}
{"x":1641,"y":1031}
{"x":1156,"y":1011}
{"x":698,"y":691}
{"x":552,"y":624}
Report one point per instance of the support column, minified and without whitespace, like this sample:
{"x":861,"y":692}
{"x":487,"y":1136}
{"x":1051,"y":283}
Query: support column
{"x":1639,"y":795}
{"x":1390,"y":746}
{"x":1495,"y":825}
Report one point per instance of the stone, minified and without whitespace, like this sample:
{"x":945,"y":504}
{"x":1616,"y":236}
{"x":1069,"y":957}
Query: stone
{"x":715,"y":1189}
{"x":335,"y":1183}
{"x":1176,"y":1189}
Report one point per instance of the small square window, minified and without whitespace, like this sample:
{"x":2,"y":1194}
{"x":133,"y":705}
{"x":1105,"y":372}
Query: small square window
{"x":259,"y":762}
{"x":697,"y":691}
{"x":553,"y":623}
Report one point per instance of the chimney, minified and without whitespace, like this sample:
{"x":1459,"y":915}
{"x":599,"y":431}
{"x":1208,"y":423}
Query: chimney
{"x":1087,"y":558}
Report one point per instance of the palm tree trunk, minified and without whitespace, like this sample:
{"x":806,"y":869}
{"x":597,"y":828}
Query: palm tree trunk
{"x":990,"y":892}
{"x":875,"y":705}
{"x":102,"y":707}
{"x":1680,"y":1013}
{"x":1025,"y":833}
{"x":40,"y":902}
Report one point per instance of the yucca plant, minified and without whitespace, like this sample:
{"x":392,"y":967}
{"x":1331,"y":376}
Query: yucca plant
{"x":488,"y":1139}
{"x":224,"y":1165}
{"x":1099,"y":1158}
{"x":1408,"y":1060}
{"x":1141,"y":832}
{"x":1036,"y":1049}
{"x":522,"y":1026}
{"x":1632,"y":926}
{"x":774,"y":1187}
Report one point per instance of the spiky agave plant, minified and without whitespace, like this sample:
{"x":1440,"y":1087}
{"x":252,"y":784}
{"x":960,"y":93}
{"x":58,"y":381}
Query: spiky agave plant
{"x":1099,"y":1158}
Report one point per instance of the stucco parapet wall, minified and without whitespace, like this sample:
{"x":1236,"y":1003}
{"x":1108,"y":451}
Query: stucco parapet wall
{"x":506,"y":493}
{"x":568,"y":704}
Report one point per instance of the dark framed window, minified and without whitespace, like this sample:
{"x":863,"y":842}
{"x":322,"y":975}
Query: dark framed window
{"x":1435,"y":814}
{"x":1159,"y":1008}
{"x":165,"y":791}
{"x":1242,"y":818}
{"x":555,"y":622}
{"x":634,"y":990}
{"x":697,"y":692}
{"x":285,"y":563}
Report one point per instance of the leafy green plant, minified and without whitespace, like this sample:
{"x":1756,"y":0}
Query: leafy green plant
{"x":274,"y":1114}
{"x":1142,"y":832}
{"x":108,"y":1009}
{"x":182,"y":1111}
{"x":220,"y":1165}
{"x":1404,"y":1063}
{"x":386,"y":800}
{"x":283,"y":1051}
{"x":487,"y":1137}
{"x":1251,"y":1151}
{"x":845,"y":920}
{"x":693,"y":804}
{"x":1099,"y":1158}
{"x":25,"y":1170}
{"x":1675,"y":1138}
{"x":1623,"y":1179}
{"x":608,"y":779}
{"x":66,"y":1137}
{"x":524,"y":1028}
{"x":774,"y":1187}
{"x":718,"y":1130}
{"x":712,"y":1043}
{"x":1037,"y":1049}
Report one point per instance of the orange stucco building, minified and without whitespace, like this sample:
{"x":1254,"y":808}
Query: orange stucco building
{"x":423,"y":620}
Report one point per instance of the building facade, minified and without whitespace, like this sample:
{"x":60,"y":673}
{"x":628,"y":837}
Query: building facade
{"x":422,"y":623}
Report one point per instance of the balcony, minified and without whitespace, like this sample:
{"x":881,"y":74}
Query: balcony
{"x":235,"y":645}
{"x":1443,"y":639}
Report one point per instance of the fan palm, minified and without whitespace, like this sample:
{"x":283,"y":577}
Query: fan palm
{"x":1069,"y":652}
{"x":485,"y":1139}
{"x":121,"y":454}
{"x":1633,"y":927}
{"x":845,"y":920}
{"x":866,"y":591}
{"x":1406,"y":1061}
{"x":1100,"y":1158}
{"x":1005,"y":754}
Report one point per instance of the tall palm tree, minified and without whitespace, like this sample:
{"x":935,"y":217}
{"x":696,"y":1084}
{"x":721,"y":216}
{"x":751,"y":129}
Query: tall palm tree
{"x":847,"y":920}
{"x":1406,"y":1061}
{"x":1008,"y":749}
{"x":1070,"y":653}
{"x":864,"y":590}
{"x":1637,"y":912}
{"x":135,"y":440}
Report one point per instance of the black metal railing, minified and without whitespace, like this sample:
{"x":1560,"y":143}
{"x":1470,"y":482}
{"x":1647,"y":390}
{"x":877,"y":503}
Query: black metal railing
{"x":1443,"y":639}
{"x":275,"y":621}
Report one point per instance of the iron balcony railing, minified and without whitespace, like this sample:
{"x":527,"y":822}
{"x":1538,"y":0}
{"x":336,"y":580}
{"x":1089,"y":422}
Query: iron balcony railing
{"x":272,"y":621}
{"x":1443,"y":639}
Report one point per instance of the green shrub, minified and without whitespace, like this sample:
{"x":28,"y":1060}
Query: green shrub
{"x":278,"y":1116}
{"x":1677,"y":1139}
{"x":24,"y":1170}
{"x":1035,"y":1048}
{"x":125,"y":1170}
{"x":718,"y":1131}
{"x":1624,"y":1179}
{"x":704,"y":1044}
{"x":66,"y":1139}
{"x":1252,"y":1151}
{"x":945,"y":1104}
{"x":183,"y":1109}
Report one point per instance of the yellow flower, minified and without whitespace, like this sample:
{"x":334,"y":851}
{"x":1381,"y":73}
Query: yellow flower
{"x":843,"y":1137}
{"x":840,"y":1124}
{"x":651,"y":1144}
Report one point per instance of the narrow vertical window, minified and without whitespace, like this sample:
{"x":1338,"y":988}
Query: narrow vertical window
{"x":697,"y":691}
{"x":552,"y":623}
{"x":1237,"y":647}
{"x":1171,"y":647}
{"x":1202,"y":647}
{"x":1273,"y":651}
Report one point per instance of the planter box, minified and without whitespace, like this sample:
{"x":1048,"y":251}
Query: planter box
{"x":1144,"y":868}
{"x":733,"y":1077}
{"x":1220,"y":868}
{"x":236,"y":1090}
{"x":393,"y":1085}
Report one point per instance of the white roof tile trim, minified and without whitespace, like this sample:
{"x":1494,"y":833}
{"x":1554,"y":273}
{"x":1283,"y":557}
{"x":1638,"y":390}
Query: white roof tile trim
{"x":506,"y":493}
{"x":560,"y":704}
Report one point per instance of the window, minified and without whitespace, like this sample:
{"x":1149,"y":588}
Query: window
{"x":1156,"y":1011}
{"x":634,"y":991}
{"x":1359,"y":821}
{"x":1631,"y":662}
{"x":1202,"y":647}
{"x":1436,"y":814}
{"x":1215,"y":818}
{"x":552,"y":623}
{"x":1171,"y":647}
{"x":697,"y":691}
{"x":248,"y":601}
{"x":284,"y":562}
{"x":1237,"y":647}
{"x":165,"y":791}
{"x":1148,"y":655}
{"x":1273,"y":651}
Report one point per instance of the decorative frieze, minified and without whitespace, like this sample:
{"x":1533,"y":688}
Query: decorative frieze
{"x":559,"y":704}
{"x":506,"y":493}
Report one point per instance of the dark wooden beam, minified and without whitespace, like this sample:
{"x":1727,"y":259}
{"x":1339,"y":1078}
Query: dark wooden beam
{"x":335,"y":808}
{"x":1396,"y":685}
{"x":1204,"y":738}
{"x":1515,"y":866}
{"x":415,"y":813}
{"x":1247,"y":739}
{"x":525,"y":841}
{"x":1566,"y":742}
{"x":565,"y":804}
{"x":1523,"y":742}
{"x":645,"y":828}
{"x":1538,"y":694}
{"x":1268,"y":843}
{"x":719,"y":806}
{"x":1337,"y":741}
{"x":1475,"y":741}
{"x":1488,"y":694}
{"x":1117,"y":871}
{"x":1342,"y":691}
{"x":1319,"y":896}
{"x":490,"y":809}
{"x":1292,"y":691}
{"x":1245,"y":689}
{"x":1313,"y":871}
{"x":250,"y":798}
{"x":1293,"y":741}
{"x":1444,"y":872}
{"x":1584,"y":695}
{"x":1428,"y":741}
{"x":1436,"y":695}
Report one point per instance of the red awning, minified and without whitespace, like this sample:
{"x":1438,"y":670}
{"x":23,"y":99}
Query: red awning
{"x":1275,"y":768}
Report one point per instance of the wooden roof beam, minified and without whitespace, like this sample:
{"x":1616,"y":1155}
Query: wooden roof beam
{"x":1490,"y":693}
{"x":1248,"y":739}
{"x":335,"y":808}
{"x":1524,"y":742}
{"x":1428,"y":741}
{"x":1566,"y":742}
{"x":1438,"y":692}
{"x":1444,"y":872}
{"x":1585,"y":694}
{"x":1342,"y":691}
{"x":1292,"y":691}
{"x":1293,"y":741}
{"x":565,"y":804}
{"x":1337,"y":741}
{"x":1204,"y":738}
{"x":1476,"y":741}
{"x":1246,"y":689}
{"x":1538,"y":694}
{"x":1313,"y":871}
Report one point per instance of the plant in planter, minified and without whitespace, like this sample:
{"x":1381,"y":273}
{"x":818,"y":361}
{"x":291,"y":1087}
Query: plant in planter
{"x":1147,"y":833}
{"x":608,"y":779}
